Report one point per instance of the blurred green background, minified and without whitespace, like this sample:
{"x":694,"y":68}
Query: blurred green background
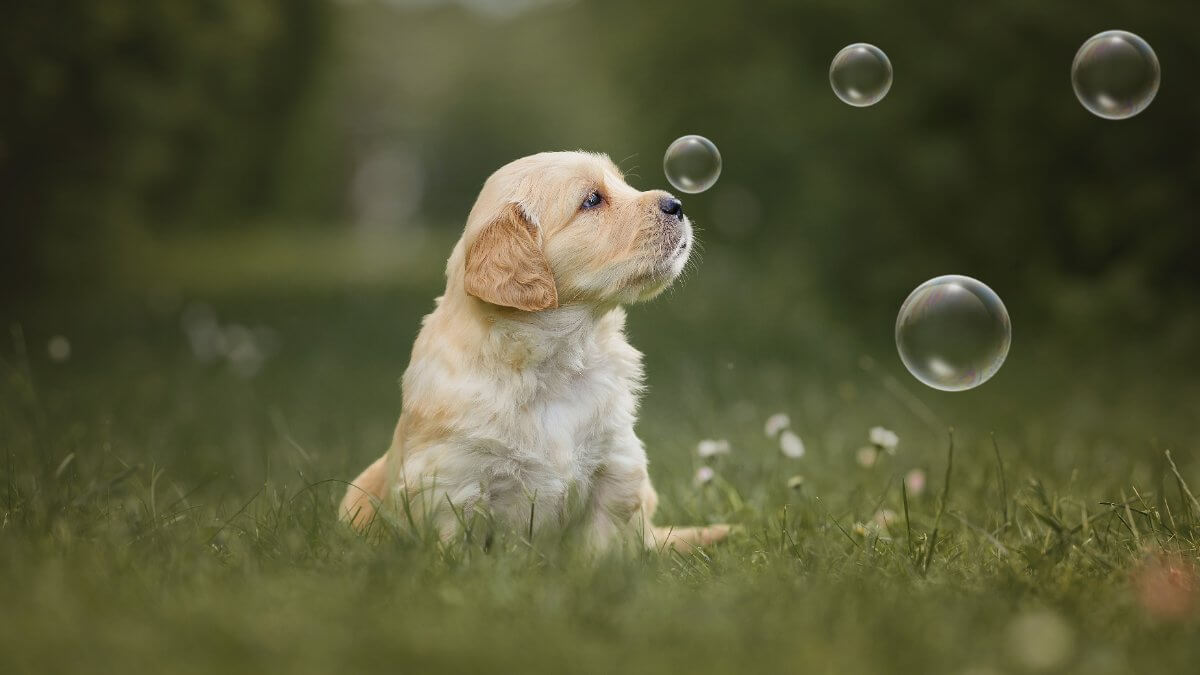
{"x":164,"y":159}
{"x":181,"y":156}
{"x":125,"y":125}
{"x":223,"y":220}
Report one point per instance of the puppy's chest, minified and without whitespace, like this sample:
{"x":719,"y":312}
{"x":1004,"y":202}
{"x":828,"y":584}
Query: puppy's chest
{"x":570,"y":429}
{"x":574,"y":430}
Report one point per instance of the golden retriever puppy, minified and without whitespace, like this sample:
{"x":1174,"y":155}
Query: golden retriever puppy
{"x":521,"y":394}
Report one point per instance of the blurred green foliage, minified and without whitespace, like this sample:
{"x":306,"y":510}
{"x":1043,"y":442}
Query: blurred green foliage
{"x":123,"y":114}
{"x":980,"y":161}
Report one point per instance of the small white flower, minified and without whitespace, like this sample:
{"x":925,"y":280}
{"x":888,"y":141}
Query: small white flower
{"x":791,"y":445}
{"x":709,"y":447}
{"x":704,"y":475}
{"x":866,"y":456}
{"x":795,"y":482}
{"x":59,"y":348}
{"x":777,"y":423}
{"x":914,"y":482}
{"x":884,"y":439}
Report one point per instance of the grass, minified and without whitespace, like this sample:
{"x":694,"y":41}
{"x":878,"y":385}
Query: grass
{"x":161,"y":512}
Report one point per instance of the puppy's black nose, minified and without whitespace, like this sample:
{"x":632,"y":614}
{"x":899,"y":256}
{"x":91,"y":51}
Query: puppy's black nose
{"x":671,"y":206}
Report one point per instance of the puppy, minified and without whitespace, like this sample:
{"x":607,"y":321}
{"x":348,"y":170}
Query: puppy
{"x":521,"y":394}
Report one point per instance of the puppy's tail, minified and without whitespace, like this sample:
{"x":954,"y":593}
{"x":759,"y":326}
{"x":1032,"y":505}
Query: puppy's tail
{"x":363,"y":494}
{"x":686,"y":539}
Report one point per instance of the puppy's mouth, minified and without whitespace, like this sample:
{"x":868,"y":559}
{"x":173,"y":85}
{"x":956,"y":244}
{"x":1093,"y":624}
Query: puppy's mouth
{"x":672,"y":255}
{"x":679,"y":246}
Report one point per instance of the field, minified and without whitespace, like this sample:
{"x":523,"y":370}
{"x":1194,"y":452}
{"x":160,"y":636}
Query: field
{"x":168,"y":492}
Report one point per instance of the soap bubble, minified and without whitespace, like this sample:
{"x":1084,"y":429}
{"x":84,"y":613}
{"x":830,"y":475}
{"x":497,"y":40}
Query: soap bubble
{"x":692,"y":163}
{"x":860,"y":74}
{"x":1115,"y":74}
{"x":953,"y":333}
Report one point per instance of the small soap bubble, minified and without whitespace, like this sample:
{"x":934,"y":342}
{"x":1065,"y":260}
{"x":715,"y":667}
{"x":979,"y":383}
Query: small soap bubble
{"x":953,"y":333}
{"x":860,"y":74}
{"x":1115,"y":74}
{"x":692,"y":164}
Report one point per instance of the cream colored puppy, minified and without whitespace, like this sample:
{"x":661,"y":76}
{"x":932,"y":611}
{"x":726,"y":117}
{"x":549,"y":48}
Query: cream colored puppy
{"x":521,"y":394}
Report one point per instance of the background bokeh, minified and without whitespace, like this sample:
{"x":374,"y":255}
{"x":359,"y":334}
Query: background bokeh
{"x":273,"y":152}
{"x":126,"y":124}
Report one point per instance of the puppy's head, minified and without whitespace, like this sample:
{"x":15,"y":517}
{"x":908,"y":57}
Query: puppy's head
{"x":565,"y":227}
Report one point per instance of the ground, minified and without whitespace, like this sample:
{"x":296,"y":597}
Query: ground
{"x":170,"y":479}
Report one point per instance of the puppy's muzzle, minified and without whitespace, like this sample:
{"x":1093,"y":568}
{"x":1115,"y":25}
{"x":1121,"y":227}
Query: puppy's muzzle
{"x":674,"y":229}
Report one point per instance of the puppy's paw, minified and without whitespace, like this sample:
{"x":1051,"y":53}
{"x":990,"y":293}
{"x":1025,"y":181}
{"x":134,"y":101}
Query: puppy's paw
{"x":685,"y":539}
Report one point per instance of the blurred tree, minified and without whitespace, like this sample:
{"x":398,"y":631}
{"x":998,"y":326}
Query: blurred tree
{"x":123,"y":113}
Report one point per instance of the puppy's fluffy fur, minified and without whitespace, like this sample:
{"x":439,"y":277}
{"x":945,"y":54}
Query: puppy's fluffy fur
{"x":521,"y":385}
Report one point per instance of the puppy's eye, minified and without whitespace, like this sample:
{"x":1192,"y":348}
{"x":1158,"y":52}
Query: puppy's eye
{"x":593,"y":200}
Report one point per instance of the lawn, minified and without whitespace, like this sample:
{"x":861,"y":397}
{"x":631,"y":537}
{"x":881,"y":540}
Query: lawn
{"x":168,"y":492}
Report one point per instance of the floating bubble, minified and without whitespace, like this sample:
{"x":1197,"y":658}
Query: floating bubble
{"x":692,"y":163}
{"x":1115,"y":74}
{"x":860,"y":74}
{"x":953,"y":333}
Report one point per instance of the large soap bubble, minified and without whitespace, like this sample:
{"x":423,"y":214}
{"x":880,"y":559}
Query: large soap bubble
{"x":953,"y":333}
{"x":1115,"y":74}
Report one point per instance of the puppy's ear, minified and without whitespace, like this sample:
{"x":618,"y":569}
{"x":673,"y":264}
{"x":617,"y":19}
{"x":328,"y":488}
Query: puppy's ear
{"x":506,"y":265}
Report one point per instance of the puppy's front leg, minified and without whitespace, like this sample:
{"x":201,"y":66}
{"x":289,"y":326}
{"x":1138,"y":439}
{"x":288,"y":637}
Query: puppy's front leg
{"x":623,"y":503}
{"x":615,"y":500}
